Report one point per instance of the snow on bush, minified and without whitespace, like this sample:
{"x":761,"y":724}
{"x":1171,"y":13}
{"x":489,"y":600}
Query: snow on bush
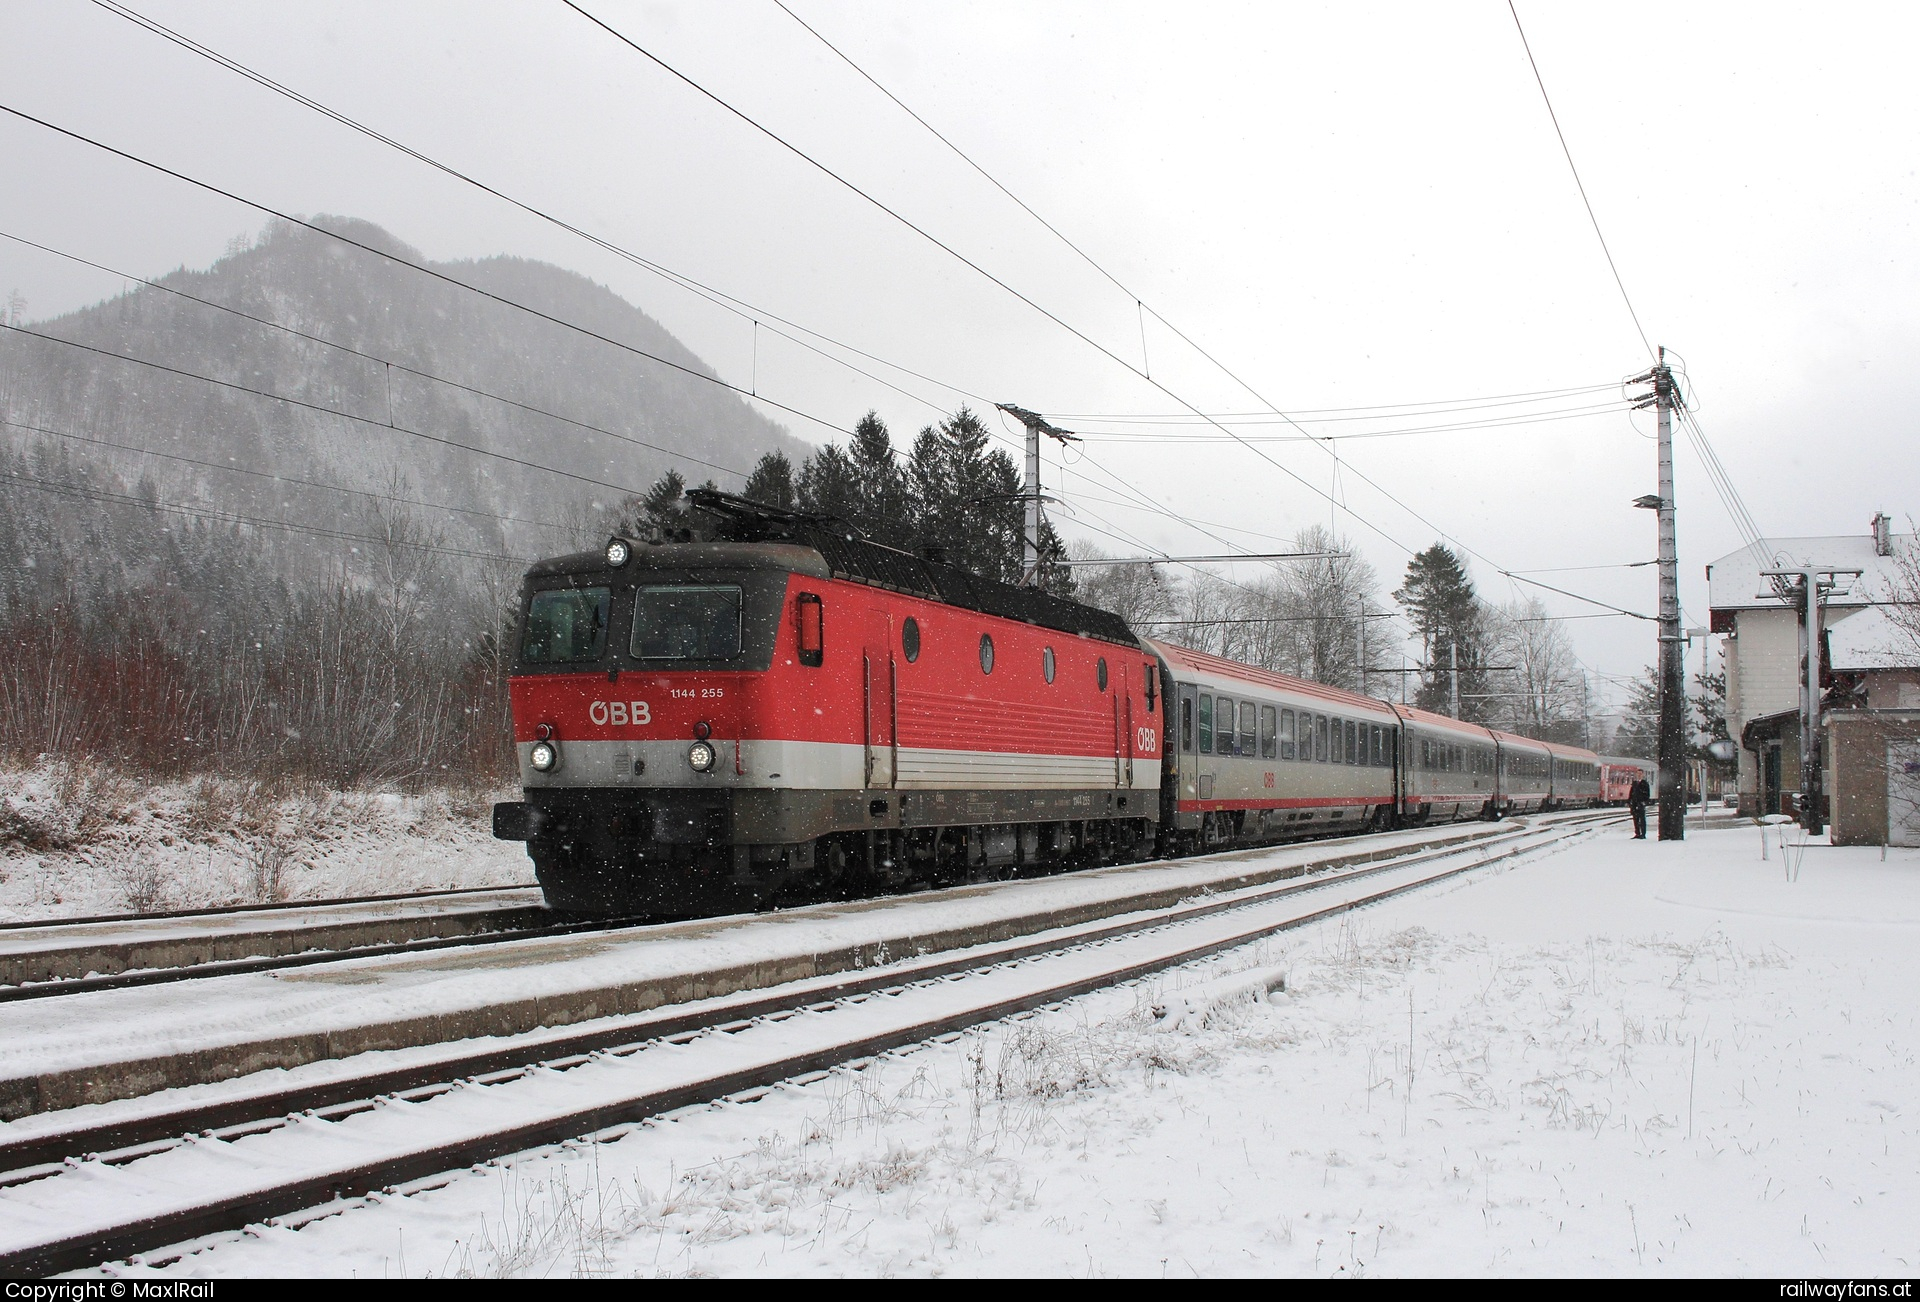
{"x":78,"y":839}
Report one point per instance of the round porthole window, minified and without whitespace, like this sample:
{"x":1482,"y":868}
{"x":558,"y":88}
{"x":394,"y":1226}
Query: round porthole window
{"x":1046,"y":663}
{"x":910,"y":639}
{"x":986,"y":653}
{"x":1100,"y":672}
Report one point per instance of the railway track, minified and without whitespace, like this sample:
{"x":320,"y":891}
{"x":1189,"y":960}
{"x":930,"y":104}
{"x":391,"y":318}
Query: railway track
{"x":89,"y":1194}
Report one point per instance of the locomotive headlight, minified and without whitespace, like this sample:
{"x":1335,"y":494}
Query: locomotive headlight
{"x":545,"y":757}
{"x":619,"y":551}
{"x":701,"y":756}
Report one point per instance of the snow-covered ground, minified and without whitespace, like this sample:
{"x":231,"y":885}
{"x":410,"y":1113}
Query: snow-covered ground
{"x":79,"y":840}
{"x":1627,"y":1058}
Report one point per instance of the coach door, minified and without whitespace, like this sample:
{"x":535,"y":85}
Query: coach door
{"x":1185,"y":722}
{"x":881,"y":680}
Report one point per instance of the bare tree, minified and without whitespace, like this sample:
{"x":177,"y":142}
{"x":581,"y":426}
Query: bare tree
{"x":1545,"y":693}
{"x":1140,"y":594}
{"x":1903,"y":596}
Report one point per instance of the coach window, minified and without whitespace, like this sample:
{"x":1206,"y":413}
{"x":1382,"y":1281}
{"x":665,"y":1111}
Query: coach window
{"x":910,"y":640}
{"x":1353,"y":755}
{"x":1379,"y":749}
{"x":1186,"y":725}
{"x":1206,"y":724}
{"x":1223,"y":726}
{"x":1269,"y":733}
{"x":1046,"y":663}
{"x":1248,"y":742}
{"x":1319,"y":739}
{"x":1334,"y":753}
{"x":1100,"y":672}
{"x":986,"y":653}
{"x":1286,"y":735}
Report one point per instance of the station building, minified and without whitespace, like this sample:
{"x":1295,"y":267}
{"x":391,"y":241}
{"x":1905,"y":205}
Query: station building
{"x":1869,"y":696}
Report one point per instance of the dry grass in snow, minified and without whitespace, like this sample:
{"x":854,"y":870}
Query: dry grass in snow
{"x":78,"y":839}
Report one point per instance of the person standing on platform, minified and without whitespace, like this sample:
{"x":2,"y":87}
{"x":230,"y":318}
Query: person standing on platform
{"x":1637,"y":796}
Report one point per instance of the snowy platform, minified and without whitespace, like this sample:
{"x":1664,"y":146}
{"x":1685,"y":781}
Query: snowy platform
{"x":94,"y":1048}
{"x":76,"y":949}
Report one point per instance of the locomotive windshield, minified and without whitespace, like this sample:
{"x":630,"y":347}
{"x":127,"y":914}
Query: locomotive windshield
{"x":687,"y":622}
{"x":565,"y":626}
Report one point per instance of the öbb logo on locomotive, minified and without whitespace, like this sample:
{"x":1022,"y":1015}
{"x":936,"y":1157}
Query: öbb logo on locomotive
{"x":620,"y":713}
{"x":871,"y":745}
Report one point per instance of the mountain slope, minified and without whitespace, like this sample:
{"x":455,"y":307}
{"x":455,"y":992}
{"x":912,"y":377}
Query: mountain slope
{"x":325,"y":288}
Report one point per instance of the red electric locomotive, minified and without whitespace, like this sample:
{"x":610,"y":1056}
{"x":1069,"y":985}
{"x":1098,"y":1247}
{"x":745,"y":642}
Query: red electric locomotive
{"x":794,"y":711}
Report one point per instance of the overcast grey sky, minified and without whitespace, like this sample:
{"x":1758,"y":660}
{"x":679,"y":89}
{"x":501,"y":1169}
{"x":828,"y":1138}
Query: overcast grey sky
{"x":1349,"y":205}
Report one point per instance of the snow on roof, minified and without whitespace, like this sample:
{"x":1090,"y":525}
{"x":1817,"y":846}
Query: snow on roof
{"x":1734,"y":582}
{"x":1868,"y":639}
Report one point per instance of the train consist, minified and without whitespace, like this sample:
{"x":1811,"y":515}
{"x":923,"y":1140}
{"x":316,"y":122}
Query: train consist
{"x":793,"y":712}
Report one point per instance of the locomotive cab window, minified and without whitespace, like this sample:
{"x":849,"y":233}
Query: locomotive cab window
{"x":687,"y":621}
{"x":566,"y":626}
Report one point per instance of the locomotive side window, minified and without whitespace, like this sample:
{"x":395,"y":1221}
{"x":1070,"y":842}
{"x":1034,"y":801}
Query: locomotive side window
{"x":1100,"y":672}
{"x":986,"y":653}
{"x":1269,"y":732}
{"x":1046,"y":663}
{"x":910,"y":641}
{"x":1286,"y":735}
{"x":1247,"y":740}
{"x":687,"y":621}
{"x":811,"y":634}
{"x":1206,"y":724}
{"x":566,"y":626}
{"x":1223,"y":726}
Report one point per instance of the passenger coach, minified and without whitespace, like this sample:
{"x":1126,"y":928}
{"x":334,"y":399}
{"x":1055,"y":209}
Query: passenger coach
{"x":1259,"y":756}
